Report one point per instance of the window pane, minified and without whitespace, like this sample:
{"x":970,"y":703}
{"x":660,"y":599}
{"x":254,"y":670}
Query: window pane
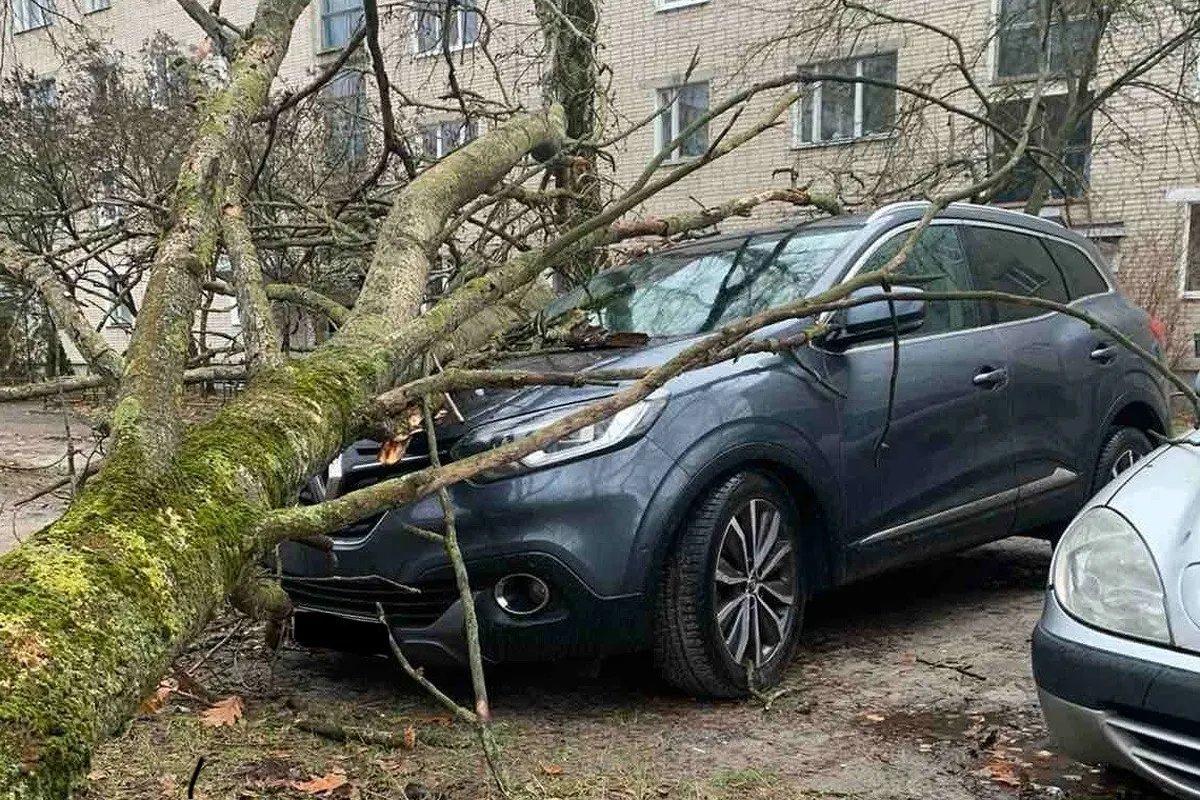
{"x":693,"y":104}
{"x":837,"y":103}
{"x":806,"y":106}
{"x":1018,"y":52}
{"x":470,"y":19}
{"x":663,"y":123}
{"x":1082,"y":276}
{"x":429,"y":24}
{"x":1192,"y":279}
{"x":937,"y":263}
{"x":879,"y":103}
{"x":1003,"y":261}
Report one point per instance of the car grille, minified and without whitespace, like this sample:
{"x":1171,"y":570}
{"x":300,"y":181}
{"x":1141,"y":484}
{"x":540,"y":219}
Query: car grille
{"x":357,"y":598}
{"x":1167,"y":752}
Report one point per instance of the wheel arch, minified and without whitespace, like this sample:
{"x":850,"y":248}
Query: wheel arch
{"x":798,"y":468}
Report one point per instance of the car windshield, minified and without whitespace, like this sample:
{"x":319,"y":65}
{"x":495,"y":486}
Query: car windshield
{"x":693,"y":290}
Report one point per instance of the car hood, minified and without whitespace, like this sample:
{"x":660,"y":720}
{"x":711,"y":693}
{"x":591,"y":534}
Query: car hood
{"x":489,"y":405}
{"x":1161,"y":498}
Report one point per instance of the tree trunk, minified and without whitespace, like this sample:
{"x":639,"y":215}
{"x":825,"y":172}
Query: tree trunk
{"x":94,"y":607}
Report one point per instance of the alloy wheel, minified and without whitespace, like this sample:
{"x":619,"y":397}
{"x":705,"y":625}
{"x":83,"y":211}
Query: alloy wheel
{"x":754,"y":584}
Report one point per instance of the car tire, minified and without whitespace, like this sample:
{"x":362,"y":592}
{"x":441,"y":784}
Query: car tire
{"x":693,"y":650}
{"x":1123,"y":447}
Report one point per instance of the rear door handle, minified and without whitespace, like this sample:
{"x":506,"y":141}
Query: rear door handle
{"x":1103,"y":353}
{"x":989,"y":378}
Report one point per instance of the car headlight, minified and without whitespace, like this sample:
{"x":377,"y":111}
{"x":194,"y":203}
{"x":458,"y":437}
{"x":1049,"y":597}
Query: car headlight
{"x":622,"y":427}
{"x":1103,"y":574}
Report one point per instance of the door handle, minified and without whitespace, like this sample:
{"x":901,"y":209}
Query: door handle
{"x":990,"y":378}
{"x":1103,"y":353}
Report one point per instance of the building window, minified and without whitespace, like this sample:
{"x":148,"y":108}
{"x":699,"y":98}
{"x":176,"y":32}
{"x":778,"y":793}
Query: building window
{"x":1069,"y":26}
{"x":96,"y":5}
{"x":1071,"y":174}
{"x":679,"y":107}
{"x":835,"y":111}
{"x":347,"y":118}
{"x":31,"y":14}
{"x":442,"y":138}
{"x":1191,"y":252}
{"x":120,"y":311}
{"x":461,"y":21}
{"x":339,"y":21}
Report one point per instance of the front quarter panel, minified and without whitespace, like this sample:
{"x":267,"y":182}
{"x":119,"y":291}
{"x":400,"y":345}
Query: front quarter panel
{"x":767,"y":413}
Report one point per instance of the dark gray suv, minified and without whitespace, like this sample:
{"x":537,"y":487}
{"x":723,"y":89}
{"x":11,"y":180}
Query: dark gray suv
{"x":696,"y":523}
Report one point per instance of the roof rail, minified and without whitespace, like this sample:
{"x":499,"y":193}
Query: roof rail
{"x":890,"y":207}
{"x":893,"y":207}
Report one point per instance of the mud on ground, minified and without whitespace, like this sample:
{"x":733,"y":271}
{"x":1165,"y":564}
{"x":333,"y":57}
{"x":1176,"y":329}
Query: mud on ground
{"x":916,"y":685}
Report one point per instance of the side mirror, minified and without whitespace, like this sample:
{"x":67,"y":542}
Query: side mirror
{"x":874,"y":320}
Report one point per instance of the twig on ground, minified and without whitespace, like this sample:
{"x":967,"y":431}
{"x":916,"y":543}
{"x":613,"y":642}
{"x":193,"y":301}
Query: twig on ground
{"x":190,"y":671}
{"x":961,"y":669}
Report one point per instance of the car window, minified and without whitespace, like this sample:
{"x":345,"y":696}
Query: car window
{"x":937,"y":263}
{"x":1081,"y":274}
{"x":690,"y":290}
{"x":1014,"y":263}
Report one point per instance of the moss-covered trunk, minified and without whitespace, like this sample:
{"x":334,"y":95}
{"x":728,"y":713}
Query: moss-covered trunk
{"x":93,"y":608}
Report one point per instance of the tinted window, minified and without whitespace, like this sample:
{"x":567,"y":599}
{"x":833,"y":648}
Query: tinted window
{"x":1004,"y":261}
{"x":936,"y":264}
{"x":692,"y":290}
{"x":1081,"y":274}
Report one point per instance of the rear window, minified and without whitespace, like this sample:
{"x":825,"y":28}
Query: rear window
{"x":1005,"y":261}
{"x":691,"y":290}
{"x":1081,"y":274}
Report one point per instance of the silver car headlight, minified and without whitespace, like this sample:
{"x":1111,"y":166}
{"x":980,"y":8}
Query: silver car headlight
{"x":622,"y":427}
{"x":1104,"y":575}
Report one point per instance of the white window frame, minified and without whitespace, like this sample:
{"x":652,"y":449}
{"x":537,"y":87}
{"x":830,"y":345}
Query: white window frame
{"x":322,"y":14}
{"x":659,"y":141}
{"x":444,"y":144}
{"x":815,"y":91}
{"x":460,"y":21}
{"x":1192,"y":202}
{"x":31,"y":15}
{"x":92,"y":6}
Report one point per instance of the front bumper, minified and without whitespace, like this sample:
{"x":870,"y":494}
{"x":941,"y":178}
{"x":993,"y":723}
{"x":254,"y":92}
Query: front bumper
{"x":428,"y":625}
{"x":1111,"y":700}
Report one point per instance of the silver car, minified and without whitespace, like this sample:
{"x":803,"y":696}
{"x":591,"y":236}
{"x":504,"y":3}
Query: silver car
{"x":1116,"y":654}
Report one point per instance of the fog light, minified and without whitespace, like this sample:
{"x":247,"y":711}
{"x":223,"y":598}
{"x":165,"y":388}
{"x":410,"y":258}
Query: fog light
{"x":522,"y":594}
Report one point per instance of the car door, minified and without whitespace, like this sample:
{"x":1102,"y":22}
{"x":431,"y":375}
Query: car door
{"x":937,"y":474}
{"x":1055,"y":381}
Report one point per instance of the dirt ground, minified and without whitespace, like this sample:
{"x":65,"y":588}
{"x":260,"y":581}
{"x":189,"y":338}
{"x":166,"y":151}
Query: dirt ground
{"x":916,"y":685}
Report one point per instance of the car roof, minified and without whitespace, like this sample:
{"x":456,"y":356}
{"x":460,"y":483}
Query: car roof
{"x":896,"y":214}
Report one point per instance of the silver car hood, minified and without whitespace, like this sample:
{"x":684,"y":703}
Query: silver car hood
{"x":1161,"y":498}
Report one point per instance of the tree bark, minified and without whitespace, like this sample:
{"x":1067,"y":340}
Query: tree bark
{"x":146,"y":418}
{"x":93,"y":608}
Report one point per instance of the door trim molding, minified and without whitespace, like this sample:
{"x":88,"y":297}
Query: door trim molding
{"x":1055,"y":480}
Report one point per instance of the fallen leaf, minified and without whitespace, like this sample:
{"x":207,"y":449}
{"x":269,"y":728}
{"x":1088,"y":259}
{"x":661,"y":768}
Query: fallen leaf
{"x":552,"y":769}
{"x":1000,"y":772}
{"x":319,"y":785}
{"x":873,"y":717}
{"x":393,"y":450}
{"x":154,"y":703}
{"x":97,"y":775}
{"x":410,"y":737}
{"x":222,"y":712}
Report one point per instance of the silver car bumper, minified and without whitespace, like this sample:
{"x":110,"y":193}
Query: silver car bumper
{"x":1110,"y":700}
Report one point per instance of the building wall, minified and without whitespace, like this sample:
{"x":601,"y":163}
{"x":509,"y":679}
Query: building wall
{"x":1143,"y":165}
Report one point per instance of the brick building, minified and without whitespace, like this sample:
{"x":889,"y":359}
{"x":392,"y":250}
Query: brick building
{"x":1138,"y":193}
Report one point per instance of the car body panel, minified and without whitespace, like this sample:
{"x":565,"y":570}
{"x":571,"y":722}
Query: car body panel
{"x":602,"y":526}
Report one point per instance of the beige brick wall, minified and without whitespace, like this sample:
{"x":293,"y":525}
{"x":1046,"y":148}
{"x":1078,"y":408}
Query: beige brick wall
{"x":1142,"y":150}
